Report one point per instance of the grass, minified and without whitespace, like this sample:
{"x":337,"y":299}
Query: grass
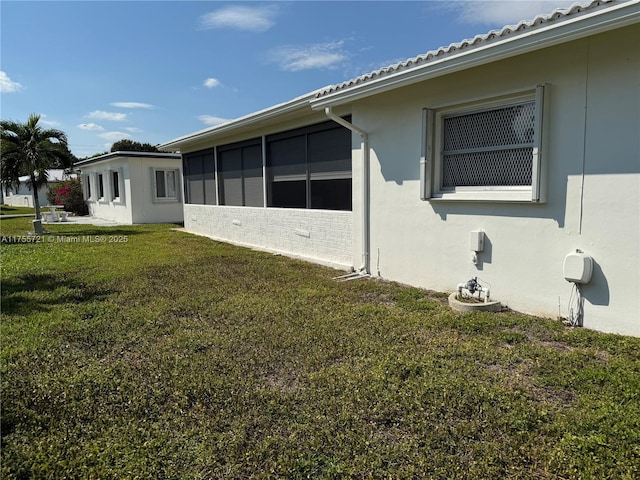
{"x":9,"y":210}
{"x":166,"y":355}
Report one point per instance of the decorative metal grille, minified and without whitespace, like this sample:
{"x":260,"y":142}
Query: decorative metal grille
{"x":489,"y":148}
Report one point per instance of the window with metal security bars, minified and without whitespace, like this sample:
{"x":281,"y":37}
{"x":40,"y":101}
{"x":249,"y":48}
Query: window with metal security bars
{"x":477,"y":152}
{"x":492,"y":148}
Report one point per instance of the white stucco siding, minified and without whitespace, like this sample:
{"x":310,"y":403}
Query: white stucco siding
{"x":426,"y":243}
{"x":136,"y":203}
{"x":321,"y":236}
{"x":145,"y":208}
{"x":116,"y":211}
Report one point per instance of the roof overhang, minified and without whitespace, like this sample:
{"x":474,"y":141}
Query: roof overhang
{"x":281,"y":112}
{"x":543,"y":36}
{"x":110,"y":156}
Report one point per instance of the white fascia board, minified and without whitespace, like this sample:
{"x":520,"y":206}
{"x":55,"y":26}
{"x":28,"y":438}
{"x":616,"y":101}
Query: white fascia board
{"x":583,"y":26}
{"x":111,"y":156}
{"x":271,"y":113}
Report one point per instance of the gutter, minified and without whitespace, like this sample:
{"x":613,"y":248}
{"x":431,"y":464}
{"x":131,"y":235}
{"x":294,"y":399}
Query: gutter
{"x":366,"y":208}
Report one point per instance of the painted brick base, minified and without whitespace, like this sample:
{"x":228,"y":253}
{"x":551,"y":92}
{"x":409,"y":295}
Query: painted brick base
{"x":320,"y":236}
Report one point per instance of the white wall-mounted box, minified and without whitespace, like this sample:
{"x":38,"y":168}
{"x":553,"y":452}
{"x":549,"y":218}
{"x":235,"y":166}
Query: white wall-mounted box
{"x":578,"y":267}
{"x":476,"y":240}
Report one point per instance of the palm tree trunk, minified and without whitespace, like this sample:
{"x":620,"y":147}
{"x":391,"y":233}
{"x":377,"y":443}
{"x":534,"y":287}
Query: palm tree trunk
{"x":36,"y":200}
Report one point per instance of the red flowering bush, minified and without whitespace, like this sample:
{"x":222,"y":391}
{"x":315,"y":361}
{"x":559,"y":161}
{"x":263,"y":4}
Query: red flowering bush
{"x":69,"y":194}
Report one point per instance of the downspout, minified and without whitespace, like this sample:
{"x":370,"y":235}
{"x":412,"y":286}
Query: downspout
{"x":366,"y":209}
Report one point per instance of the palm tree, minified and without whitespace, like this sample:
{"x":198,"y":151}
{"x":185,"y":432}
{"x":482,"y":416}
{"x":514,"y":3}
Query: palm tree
{"x":28,"y":149}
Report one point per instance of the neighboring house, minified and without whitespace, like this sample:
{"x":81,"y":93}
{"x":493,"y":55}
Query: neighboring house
{"x":23,"y":196}
{"x":133,"y":187}
{"x":528,"y":134}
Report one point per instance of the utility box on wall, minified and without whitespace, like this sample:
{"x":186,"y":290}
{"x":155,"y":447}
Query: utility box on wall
{"x":476,"y":241}
{"x":578,"y":267}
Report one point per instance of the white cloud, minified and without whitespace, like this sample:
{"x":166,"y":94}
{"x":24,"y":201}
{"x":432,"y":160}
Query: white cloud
{"x":131,"y":105}
{"x":90,"y":126}
{"x":114,"y":136}
{"x":133,"y":129}
{"x":48,"y":123}
{"x":253,"y":19}
{"x":211,"y":82}
{"x":211,"y":120}
{"x":7,"y":85}
{"x":102,"y":115}
{"x":489,"y":12}
{"x":321,"y":55}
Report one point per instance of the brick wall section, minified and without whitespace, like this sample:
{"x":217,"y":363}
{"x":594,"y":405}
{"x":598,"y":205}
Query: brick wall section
{"x":320,"y":236}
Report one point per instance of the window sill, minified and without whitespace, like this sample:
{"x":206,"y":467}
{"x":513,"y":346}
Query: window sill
{"x":513,"y":196}
{"x":166,"y":200}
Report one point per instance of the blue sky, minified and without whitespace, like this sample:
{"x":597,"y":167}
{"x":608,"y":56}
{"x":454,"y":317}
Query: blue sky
{"x":152,"y":71}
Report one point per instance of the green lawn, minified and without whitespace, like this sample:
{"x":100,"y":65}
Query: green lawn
{"x":141,"y":352}
{"x":8,"y":210}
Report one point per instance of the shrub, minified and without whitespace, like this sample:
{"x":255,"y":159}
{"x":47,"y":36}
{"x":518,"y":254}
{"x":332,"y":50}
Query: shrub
{"x":69,"y":194}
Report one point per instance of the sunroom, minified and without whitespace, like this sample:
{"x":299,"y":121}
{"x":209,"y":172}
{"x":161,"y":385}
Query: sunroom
{"x":285,"y":188}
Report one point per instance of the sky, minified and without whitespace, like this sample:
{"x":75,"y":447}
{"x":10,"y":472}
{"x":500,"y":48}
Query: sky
{"x":152,"y":71}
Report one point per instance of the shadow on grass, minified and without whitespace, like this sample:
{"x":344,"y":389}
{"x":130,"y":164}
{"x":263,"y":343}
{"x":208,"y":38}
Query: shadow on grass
{"x":90,"y":230}
{"x":27,"y":294}
{"x":7,"y":210}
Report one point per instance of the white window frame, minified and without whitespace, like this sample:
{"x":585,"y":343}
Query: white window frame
{"x":177,"y":184}
{"x":104,"y":198}
{"x":87,"y":188}
{"x":119,"y":200}
{"x":431,"y":160}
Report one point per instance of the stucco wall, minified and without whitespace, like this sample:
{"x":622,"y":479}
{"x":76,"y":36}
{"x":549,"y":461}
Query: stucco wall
{"x":23,"y":197}
{"x":145,"y":210}
{"x":593,"y":183}
{"x":322,"y":236}
{"x":136,"y":204}
{"x":119,"y":212}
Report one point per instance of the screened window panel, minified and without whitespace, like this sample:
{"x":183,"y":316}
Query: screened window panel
{"x":330,"y":154}
{"x":291,"y":194}
{"x":252,"y":170}
{"x":288,"y":159}
{"x":209,"y":179}
{"x":333,"y":194}
{"x":194,"y":180}
{"x":230,"y":171}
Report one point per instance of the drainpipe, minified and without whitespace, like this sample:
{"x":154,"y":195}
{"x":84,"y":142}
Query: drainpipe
{"x":366,"y":209}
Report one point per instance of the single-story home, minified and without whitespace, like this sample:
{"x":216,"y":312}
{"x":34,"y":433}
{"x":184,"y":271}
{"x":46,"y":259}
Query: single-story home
{"x":23,"y":195}
{"x":512,"y":157}
{"x":133,"y":187}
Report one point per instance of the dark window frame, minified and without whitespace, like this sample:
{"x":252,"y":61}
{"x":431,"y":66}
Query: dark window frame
{"x":247,"y":163}
{"x":204,"y":179}
{"x":280,"y":191}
